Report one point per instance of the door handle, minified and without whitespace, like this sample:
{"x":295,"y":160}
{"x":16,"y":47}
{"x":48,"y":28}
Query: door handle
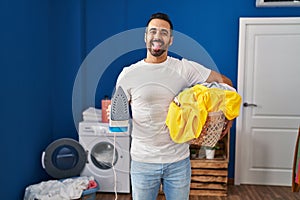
{"x":249,"y":104}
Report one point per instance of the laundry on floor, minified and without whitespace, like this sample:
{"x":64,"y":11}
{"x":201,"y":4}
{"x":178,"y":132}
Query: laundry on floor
{"x":66,"y":189}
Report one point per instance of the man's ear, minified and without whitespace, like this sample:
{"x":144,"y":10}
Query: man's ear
{"x":145,"y":35}
{"x":171,"y":40}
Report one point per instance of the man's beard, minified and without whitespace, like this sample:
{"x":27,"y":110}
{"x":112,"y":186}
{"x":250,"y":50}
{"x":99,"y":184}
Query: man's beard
{"x":158,"y":51}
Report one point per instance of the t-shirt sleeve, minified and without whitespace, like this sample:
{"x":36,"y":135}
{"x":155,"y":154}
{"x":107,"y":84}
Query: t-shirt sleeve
{"x":122,"y":81}
{"x":195,"y":72}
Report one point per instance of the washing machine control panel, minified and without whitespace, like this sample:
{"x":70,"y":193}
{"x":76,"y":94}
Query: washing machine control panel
{"x":98,"y":128}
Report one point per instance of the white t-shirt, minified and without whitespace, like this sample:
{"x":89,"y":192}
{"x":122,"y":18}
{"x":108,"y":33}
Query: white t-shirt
{"x":150,"y":88}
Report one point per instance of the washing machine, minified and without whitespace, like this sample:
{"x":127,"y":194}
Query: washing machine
{"x":108,"y":157}
{"x":99,"y":153}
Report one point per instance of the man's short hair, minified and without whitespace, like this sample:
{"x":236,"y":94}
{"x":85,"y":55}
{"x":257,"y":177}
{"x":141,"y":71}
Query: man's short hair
{"x":162,"y":16}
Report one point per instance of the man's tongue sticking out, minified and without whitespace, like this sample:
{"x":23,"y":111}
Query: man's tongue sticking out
{"x":156,"y":45}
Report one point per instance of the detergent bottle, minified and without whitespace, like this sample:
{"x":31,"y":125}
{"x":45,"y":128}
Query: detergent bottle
{"x":105,"y":102}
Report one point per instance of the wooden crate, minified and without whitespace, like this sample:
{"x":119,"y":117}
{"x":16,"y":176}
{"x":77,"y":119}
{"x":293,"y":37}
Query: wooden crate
{"x":210,"y":177}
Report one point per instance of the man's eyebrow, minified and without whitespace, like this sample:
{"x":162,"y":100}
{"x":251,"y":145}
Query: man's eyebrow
{"x":153,"y":28}
{"x":162,"y":29}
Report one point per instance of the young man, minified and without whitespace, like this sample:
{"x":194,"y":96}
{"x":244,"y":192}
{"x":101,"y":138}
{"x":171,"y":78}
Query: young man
{"x":150,"y":85}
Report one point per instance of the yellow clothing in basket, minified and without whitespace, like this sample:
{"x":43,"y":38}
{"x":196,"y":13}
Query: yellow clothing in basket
{"x":188,"y":112}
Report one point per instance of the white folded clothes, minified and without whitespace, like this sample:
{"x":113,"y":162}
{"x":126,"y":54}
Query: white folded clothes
{"x":91,"y":111}
{"x":92,"y":114}
{"x":92,"y":119}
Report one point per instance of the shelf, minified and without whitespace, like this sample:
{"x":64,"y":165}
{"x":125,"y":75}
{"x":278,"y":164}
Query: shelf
{"x":210,"y":177}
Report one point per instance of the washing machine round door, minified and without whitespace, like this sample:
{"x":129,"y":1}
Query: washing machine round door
{"x":64,"y":158}
{"x":104,"y":155}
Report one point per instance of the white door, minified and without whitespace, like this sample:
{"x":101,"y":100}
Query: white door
{"x":269,"y":83}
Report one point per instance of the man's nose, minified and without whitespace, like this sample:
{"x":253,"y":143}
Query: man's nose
{"x":157,"y":35}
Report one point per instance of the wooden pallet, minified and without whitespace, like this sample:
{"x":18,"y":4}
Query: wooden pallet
{"x":210,"y":177}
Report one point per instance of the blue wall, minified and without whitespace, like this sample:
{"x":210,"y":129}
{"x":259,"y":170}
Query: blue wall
{"x":26,"y":93}
{"x":43,"y":44}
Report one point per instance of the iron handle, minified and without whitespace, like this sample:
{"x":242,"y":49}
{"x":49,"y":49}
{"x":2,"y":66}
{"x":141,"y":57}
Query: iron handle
{"x":249,"y":104}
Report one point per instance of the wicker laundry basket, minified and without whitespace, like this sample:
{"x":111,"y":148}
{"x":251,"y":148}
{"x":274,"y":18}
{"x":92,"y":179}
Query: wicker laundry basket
{"x":212,"y":130}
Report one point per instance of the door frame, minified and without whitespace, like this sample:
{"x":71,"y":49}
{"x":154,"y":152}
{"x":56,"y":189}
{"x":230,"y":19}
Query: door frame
{"x":243,"y":25}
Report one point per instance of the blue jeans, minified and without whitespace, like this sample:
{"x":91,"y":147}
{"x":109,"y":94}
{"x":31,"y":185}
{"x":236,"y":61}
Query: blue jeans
{"x":146,"y":179}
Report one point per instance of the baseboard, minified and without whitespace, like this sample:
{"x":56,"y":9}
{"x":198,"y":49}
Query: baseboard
{"x":230,"y":181}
